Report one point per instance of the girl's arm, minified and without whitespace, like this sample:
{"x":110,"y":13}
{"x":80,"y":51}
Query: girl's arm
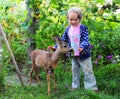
{"x":84,"y":40}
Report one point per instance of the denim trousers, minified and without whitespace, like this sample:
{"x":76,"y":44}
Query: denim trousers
{"x":89,"y":78}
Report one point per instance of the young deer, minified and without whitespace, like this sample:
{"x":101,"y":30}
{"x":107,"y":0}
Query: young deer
{"x":48,"y":60}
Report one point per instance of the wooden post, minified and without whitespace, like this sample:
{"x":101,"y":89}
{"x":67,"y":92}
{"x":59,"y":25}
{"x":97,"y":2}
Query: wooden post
{"x":11,"y":54}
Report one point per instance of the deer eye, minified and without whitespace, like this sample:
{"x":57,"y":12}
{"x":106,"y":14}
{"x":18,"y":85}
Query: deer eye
{"x":64,"y":46}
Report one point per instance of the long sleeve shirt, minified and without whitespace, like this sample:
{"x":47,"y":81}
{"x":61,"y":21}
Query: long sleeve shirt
{"x":84,"y":41}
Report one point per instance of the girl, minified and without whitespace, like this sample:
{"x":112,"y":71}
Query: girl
{"x":76,"y":34}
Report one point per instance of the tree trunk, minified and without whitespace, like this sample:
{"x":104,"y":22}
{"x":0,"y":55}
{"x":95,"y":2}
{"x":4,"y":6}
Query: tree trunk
{"x":32,"y":22}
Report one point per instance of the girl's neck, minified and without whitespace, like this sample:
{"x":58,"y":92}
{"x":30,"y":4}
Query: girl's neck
{"x":75,"y":26}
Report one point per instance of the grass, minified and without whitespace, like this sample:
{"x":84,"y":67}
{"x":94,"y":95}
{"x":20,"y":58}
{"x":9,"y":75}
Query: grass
{"x":35,"y":92}
{"x":108,"y":80}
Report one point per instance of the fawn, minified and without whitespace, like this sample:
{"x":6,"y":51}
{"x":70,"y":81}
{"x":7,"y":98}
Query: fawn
{"x":48,"y":60}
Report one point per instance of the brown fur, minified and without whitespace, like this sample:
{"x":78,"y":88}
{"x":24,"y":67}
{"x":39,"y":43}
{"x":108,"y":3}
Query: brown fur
{"x":47,"y":60}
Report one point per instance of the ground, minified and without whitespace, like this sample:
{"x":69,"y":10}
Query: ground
{"x":13,"y":79}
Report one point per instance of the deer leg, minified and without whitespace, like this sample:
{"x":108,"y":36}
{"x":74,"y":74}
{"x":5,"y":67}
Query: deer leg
{"x":48,"y":81}
{"x":53,"y":78}
{"x":36,"y":75}
{"x":30,"y":74}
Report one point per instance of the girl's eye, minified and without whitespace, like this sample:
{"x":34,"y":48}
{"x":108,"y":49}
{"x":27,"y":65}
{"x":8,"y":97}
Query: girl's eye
{"x":73,"y":19}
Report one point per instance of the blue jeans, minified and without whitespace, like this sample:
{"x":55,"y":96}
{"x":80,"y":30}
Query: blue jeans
{"x":89,"y":78}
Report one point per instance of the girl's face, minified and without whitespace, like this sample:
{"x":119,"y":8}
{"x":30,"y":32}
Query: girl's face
{"x":73,"y":19}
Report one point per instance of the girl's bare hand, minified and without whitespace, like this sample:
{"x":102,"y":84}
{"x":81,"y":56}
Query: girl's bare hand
{"x":80,"y":49}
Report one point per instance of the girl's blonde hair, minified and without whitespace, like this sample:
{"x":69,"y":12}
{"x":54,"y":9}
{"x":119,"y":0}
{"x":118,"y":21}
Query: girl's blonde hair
{"x":76,"y":10}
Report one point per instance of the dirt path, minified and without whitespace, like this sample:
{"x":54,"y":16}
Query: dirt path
{"x":13,"y":79}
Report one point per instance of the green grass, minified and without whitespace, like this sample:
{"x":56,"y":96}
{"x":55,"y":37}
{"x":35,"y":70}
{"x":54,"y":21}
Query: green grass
{"x":108,"y":80}
{"x":35,"y":92}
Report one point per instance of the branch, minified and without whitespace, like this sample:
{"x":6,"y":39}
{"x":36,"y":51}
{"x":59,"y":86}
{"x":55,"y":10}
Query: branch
{"x":111,"y":20}
{"x":11,"y":53}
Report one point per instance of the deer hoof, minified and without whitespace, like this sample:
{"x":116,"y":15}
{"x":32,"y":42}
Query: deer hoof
{"x":39,"y":84}
{"x":48,"y":92}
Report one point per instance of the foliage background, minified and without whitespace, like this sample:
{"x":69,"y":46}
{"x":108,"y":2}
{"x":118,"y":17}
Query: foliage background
{"x":101,"y":16}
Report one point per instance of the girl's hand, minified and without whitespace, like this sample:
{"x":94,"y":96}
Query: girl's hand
{"x":51,"y":48}
{"x":80,"y":49}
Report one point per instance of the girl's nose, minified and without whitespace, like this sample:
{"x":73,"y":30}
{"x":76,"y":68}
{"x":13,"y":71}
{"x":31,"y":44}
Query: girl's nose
{"x":73,"y":22}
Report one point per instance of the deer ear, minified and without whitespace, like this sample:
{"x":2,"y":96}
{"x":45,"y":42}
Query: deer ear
{"x":56,"y":39}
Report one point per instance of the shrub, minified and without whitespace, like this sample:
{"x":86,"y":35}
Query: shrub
{"x":1,"y":80}
{"x":108,"y":78}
